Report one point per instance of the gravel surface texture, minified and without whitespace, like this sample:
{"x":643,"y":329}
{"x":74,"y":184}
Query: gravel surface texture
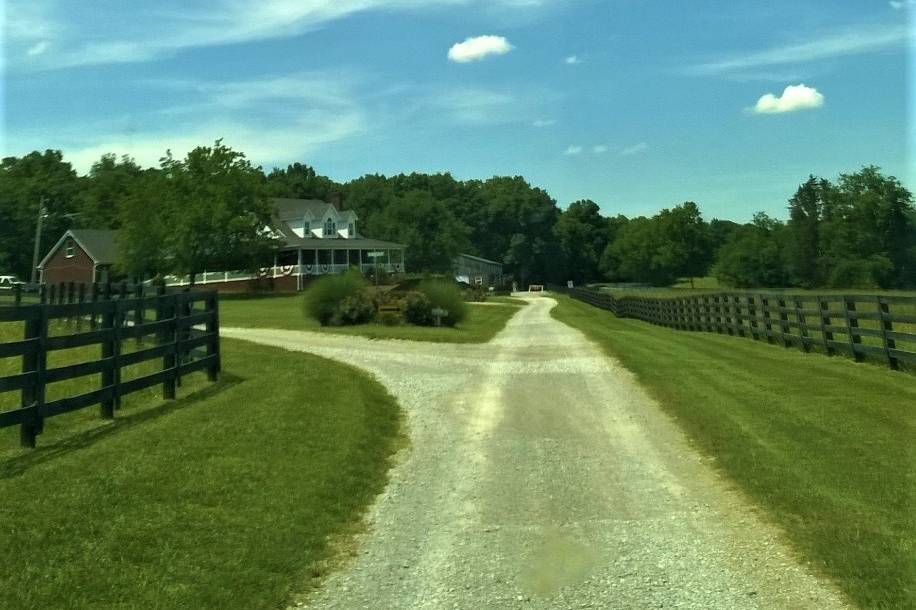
{"x":540,"y":475}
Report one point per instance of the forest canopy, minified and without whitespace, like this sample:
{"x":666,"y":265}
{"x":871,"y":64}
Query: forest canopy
{"x":210,"y":210}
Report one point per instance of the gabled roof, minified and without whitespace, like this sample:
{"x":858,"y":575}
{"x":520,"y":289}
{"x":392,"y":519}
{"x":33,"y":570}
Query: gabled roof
{"x":294,"y":209}
{"x":288,"y":209}
{"x":291,"y":240}
{"x":479,"y":259}
{"x":99,"y":244}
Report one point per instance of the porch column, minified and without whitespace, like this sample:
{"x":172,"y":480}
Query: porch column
{"x":317,"y":263}
{"x":275,"y":266}
{"x":299,"y":270}
{"x":388,"y":258}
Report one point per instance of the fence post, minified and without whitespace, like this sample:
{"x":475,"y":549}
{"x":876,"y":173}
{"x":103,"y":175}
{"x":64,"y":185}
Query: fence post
{"x":179,"y":334}
{"x":767,"y":320}
{"x":33,"y":394}
{"x":784,"y":323}
{"x":212,"y":328}
{"x":107,"y":406}
{"x":752,"y":316}
{"x":852,"y":322}
{"x":139,"y":310}
{"x":165,"y":311}
{"x":887,"y":326}
{"x":824,"y":307}
{"x":737,"y":317}
{"x":802,"y":325}
{"x":81,"y":298}
{"x":94,"y":298}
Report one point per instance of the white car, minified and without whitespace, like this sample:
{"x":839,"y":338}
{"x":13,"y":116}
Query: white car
{"x":7,"y":282}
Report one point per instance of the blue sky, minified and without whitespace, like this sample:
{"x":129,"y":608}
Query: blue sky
{"x":636,"y":104}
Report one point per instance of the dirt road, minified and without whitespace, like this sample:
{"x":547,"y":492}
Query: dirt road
{"x":540,"y":475}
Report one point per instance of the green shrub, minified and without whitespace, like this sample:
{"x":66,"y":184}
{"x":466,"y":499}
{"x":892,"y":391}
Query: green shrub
{"x":477,"y":294}
{"x":323,"y":299}
{"x":389,"y":318}
{"x":447,"y":296}
{"x":356,"y":309}
{"x":418,"y":309}
{"x":874,"y":272}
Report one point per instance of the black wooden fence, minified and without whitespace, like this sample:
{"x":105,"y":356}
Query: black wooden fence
{"x":861,"y":326}
{"x":183,"y":338}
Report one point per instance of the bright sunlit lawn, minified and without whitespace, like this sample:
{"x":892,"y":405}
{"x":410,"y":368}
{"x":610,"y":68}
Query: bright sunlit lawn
{"x":825,"y":444}
{"x":285,"y":312}
{"x":226,"y":498}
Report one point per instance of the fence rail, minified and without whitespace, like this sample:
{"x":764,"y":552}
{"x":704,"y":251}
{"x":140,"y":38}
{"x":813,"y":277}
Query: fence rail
{"x":183,"y":339}
{"x":864,"y":327}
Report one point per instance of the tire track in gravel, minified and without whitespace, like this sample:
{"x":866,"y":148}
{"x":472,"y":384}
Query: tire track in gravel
{"x":540,"y":475}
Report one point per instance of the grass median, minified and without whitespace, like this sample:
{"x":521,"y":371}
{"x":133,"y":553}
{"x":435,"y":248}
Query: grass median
{"x":226,"y":498}
{"x":824,"y":444}
{"x":285,"y":312}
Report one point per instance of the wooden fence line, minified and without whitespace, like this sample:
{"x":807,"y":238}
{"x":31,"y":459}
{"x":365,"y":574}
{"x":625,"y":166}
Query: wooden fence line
{"x":114,"y":315}
{"x":780,"y":318}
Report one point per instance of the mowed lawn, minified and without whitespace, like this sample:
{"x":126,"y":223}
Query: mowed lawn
{"x":824,"y":444}
{"x":226,"y":498}
{"x":285,"y":312}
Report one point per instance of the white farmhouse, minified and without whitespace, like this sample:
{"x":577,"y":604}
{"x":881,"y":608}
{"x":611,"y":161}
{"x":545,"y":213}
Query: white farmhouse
{"x":316,"y":238}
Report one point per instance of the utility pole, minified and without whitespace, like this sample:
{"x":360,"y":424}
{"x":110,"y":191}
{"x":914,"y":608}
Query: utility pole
{"x":41,"y":214}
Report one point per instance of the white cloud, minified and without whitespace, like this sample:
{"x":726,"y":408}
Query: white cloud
{"x":270,"y":120}
{"x":477,"y":48}
{"x":901,"y":4}
{"x":38,"y":48}
{"x":573,"y":150}
{"x":867,"y":39}
{"x":133,"y":31}
{"x":599,"y":149}
{"x":572,"y":60}
{"x":544,"y":123}
{"x":793,"y":98}
{"x":634,"y":150}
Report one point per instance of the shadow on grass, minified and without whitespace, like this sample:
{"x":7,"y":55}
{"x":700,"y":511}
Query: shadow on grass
{"x":19,"y":465}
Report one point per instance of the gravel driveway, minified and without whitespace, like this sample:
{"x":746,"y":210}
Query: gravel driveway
{"x":540,"y":475}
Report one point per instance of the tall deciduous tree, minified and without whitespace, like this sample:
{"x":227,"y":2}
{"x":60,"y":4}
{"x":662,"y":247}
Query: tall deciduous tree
{"x":299,"y":181}
{"x":105,"y":188}
{"x":27,"y":184}
{"x":583,"y":235}
{"x":516,"y":228}
{"x":218,"y":212}
{"x":431,"y":232}
{"x":144,"y":218}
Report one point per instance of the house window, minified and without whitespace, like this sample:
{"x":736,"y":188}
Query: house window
{"x":306,"y":229}
{"x":69,"y":249}
{"x":351,"y":230}
{"x":329,"y":228}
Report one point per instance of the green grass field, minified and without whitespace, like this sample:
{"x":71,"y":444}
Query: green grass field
{"x":230,"y":497}
{"x":824,"y":444}
{"x":482,"y":323}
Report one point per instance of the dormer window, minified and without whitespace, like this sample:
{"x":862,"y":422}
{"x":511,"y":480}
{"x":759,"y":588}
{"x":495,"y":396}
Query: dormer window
{"x":69,"y":249}
{"x":351,"y":230}
{"x":329,"y":228}
{"x":306,"y":230}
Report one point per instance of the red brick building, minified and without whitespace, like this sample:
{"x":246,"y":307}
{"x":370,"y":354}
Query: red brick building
{"x":82,"y":256}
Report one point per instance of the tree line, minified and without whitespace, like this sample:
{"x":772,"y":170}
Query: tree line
{"x":211,"y":211}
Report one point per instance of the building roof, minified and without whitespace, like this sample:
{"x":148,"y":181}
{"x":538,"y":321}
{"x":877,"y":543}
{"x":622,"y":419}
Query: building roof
{"x":479,"y":259}
{"x":293,"y":241}
{"x":287,"y":209}
{"x":99,"y":244}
